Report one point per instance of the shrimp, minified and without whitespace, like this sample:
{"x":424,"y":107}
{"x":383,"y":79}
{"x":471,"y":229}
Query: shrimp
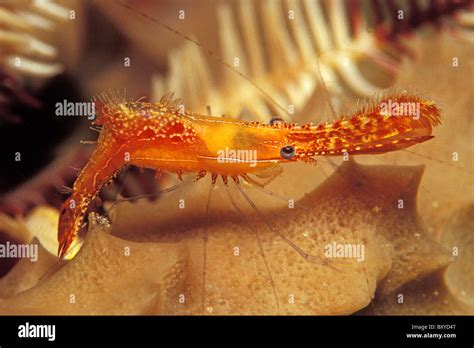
{"x":165,"y":137}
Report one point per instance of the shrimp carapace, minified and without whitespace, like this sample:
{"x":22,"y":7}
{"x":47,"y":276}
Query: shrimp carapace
{"x":166,"y":137}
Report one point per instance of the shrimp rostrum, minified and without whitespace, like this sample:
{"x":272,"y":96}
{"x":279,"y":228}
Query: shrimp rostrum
{"x":166,"y":137}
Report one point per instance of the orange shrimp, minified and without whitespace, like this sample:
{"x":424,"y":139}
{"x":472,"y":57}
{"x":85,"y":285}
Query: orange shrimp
{"x":165,"y":137}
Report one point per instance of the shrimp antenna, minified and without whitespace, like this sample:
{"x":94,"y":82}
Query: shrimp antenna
{"x":276,"y":195}
{"x":340,"y":172}
{"x":387,"y":162}
{"x":216,"y":57}
{"x":52,"y":269}
{"x":204,"y":251}
{"x":438,"y":161}
{"x":303,"y":254}
{"x":359,"y":178}
{"x":255,"y":231}
{"x":323,"y":83}
{"x":152,"y":194}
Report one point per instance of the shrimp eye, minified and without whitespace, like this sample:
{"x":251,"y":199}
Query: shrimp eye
{"x":275,"y":121}
{"x":287,"y":152}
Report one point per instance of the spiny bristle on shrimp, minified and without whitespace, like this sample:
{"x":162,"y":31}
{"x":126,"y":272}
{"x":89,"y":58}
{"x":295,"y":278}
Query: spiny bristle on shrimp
{"x":166,"y":137}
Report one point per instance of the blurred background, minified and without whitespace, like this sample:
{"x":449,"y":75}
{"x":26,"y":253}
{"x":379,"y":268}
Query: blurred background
{"x":314,"y":60}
